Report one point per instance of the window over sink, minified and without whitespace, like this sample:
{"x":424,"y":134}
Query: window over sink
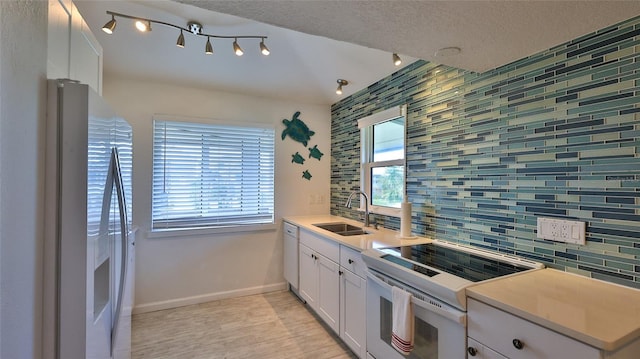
{"x":383,"y":159}
{"x":211,"y":174}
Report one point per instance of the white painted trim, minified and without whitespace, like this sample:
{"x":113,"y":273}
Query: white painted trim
{"x":181,"y":302}
{"x":181,"y":232}
{"x":382,"y":116}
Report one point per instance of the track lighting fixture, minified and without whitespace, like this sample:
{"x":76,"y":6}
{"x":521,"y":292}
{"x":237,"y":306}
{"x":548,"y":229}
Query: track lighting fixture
{"x":110,"y":25}
{"x":396,"y":59}
{"x":237,"y":49}
{"x":341,"y":83}
{"x":180,"y":42}
{"x":195,"y":28}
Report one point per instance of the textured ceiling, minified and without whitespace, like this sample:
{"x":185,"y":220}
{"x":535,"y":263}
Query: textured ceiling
{"x":301,"y":67}
{"x":315,"y":42}
{"x":489,"y":33}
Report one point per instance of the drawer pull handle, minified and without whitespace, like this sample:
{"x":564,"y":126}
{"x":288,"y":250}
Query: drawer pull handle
{"x":518,"y":344}
{"x":472,"y":351}
{"x":350,"y":261}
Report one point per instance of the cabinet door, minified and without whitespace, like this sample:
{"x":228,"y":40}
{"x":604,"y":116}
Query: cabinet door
{"x":291,"y":254}
{"x":58,"y":40}
{"x":85,"y":53}
{"x":308,"y":276}
{"x":353,"y":324}
{"x":329,"y":292}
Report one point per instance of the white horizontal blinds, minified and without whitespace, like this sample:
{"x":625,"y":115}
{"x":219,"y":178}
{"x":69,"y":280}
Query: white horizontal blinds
{"x":211,"y":175}
{"x":98,"y":156}
{"x":124,"y":141}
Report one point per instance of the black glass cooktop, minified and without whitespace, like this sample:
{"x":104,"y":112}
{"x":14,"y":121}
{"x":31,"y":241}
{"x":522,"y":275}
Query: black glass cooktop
{"x":471,"y":266}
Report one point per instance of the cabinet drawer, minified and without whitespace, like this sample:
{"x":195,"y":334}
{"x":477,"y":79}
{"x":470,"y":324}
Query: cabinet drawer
{"x":290,"y":229}
{"x":479,"y":351}
{"x":498,"y":329}
{"x":351,"y":260}
{"x":326,"y":247}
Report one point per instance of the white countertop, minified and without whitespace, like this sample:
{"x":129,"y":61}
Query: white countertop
{"x":601,"y":314}
{"x":378,"y":238}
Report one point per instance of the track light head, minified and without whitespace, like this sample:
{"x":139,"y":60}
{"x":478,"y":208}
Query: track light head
{"x":341,"y":83}
{"x":264,"y":49}
{"x":110,"y":25}
{"x":396,"y":59}
{"x":208,"y":49}
{"x":237,"y":49}
{"x":143,"y":25}
{"x":180,"y":42}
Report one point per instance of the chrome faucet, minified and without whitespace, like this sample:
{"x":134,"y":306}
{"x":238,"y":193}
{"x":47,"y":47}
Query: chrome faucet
{"x":366,"y":205}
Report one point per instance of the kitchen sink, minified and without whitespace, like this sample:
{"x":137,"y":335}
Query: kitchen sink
{"x":343,"y":229}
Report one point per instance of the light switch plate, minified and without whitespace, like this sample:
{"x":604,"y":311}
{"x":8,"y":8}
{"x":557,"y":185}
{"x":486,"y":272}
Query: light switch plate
{"x":561,"y":230}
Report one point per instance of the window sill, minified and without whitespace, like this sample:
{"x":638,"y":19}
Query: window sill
{"x":165,"y":233}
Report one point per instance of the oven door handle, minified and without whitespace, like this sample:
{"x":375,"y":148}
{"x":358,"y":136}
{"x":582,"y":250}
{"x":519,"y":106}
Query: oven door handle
{"x":457,"y":317}
{"x":460,"y":318}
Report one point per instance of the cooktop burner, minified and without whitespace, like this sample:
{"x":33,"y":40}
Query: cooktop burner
{"x":467,"y":265}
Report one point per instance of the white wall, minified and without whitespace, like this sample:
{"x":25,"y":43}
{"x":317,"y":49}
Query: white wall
{"x":23,"y":59}
{"x":183,"y":270}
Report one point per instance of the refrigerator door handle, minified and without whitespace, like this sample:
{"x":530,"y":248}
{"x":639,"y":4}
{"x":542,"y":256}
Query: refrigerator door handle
{"x":114,"y":170}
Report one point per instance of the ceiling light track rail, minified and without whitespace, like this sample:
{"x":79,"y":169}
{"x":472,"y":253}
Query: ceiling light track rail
{"x":193,"y":27}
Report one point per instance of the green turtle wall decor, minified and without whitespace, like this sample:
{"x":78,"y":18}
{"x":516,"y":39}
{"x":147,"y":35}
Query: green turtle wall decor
{"x":297,"y":158}
{"x":297,"y":130}
{"x":315,"y":152}
{"x":306,"y":175}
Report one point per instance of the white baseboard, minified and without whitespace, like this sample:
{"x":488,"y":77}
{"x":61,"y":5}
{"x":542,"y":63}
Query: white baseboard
{"x":181,"y":302}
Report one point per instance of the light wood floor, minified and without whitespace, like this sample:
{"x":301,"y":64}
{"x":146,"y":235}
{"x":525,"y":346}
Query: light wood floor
{"x":272,"y":325}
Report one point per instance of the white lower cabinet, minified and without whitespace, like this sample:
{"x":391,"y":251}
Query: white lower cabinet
{"x":308,"y":276}
{"x":319,"y":277}
{"x":332,"y":282}
{"x":353,"y":291}
{"x":291,"y":252}
{"x":353,"y":329}
{"x":329,"y":292}
{"x":492,"y":329}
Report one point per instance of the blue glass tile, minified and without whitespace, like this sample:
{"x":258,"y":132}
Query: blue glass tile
{"x":569,"y":143}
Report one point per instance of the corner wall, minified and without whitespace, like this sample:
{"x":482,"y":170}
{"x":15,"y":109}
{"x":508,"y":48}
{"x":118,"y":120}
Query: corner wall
{"x":556,"y":134}
{"x":179,"y":270}
{"x":23,"y":62}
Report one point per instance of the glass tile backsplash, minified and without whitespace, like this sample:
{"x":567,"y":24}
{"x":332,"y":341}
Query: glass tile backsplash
{"x":556,"y":134}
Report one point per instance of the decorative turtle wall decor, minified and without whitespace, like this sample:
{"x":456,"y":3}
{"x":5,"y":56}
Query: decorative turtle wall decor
{"x":306,"y":175}
{"x":297,"y":130}
{"x":297,"y":158}
{"x":315,"y":152}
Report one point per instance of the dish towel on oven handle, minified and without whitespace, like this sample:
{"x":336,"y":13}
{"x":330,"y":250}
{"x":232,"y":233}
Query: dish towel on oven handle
{"x":402,"y":321}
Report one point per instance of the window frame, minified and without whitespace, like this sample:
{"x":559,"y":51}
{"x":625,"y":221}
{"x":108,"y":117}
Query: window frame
{"x":366,"y":125}
{"x":200,"y":227}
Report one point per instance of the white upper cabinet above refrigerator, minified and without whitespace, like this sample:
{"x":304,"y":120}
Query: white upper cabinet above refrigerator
{"x":73,"y":51}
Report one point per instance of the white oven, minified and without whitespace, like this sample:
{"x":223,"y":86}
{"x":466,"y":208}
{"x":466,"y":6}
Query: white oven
{"x":439,"y":328}
{"x":436,"y":274}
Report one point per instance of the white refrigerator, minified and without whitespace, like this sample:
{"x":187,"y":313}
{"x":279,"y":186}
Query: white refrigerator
{"x":89,"y":247}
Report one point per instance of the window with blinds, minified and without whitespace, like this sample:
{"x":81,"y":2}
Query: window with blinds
{"x":212,"y":175}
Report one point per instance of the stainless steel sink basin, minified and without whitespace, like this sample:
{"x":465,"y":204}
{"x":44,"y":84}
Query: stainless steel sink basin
{"x":343,"y":229}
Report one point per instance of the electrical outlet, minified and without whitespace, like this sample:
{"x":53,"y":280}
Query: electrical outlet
{"x":561,"y":230}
